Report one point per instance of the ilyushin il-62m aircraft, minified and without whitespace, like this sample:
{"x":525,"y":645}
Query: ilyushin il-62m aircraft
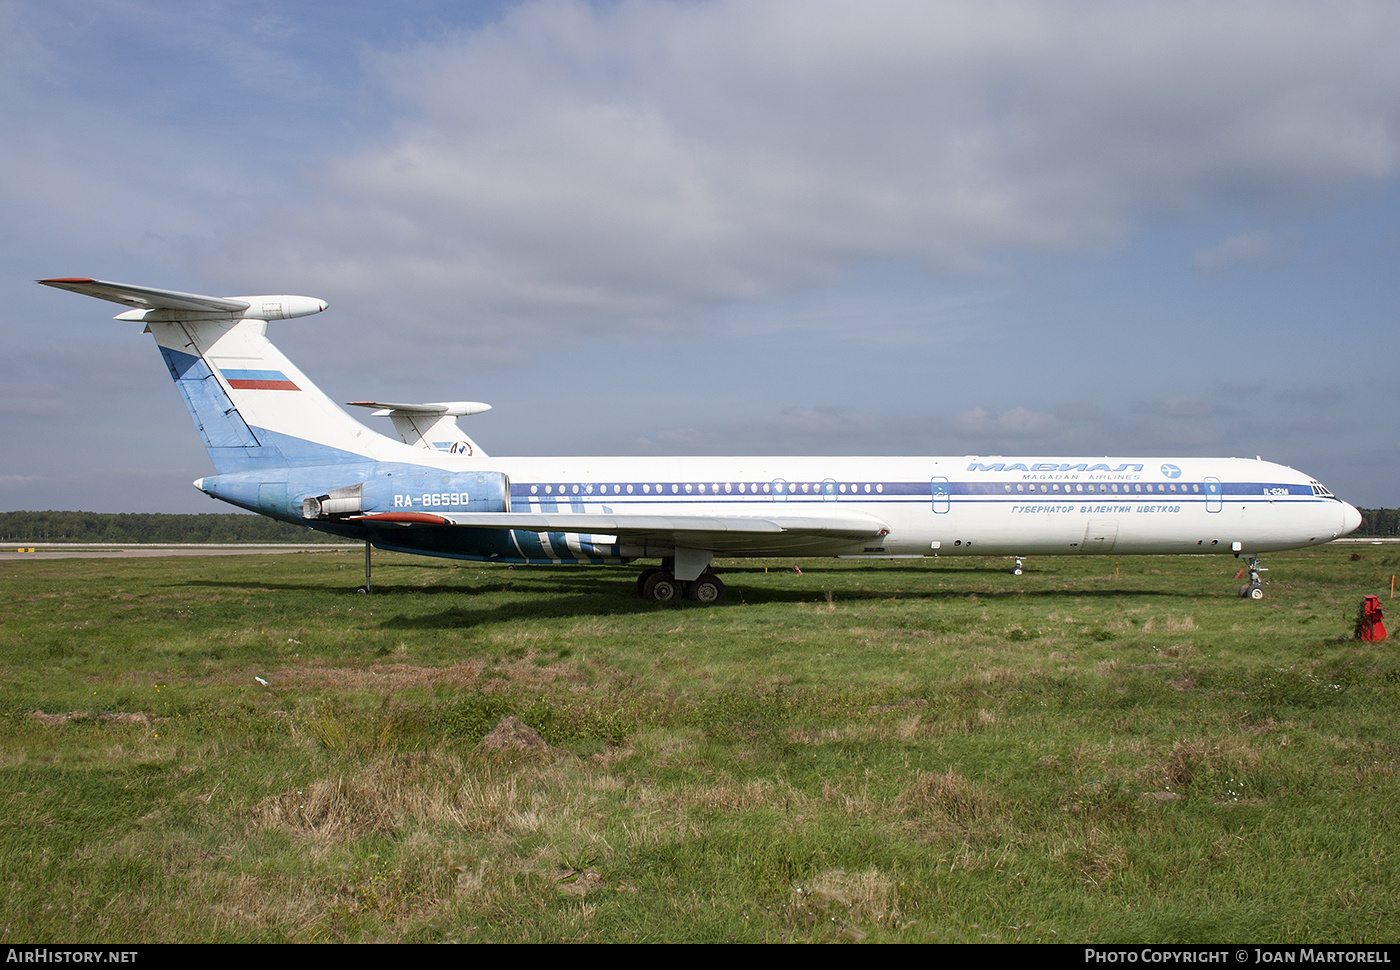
{"x":282,"y":448}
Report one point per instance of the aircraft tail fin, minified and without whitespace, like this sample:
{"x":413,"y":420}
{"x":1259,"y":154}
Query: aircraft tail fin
{"x":252,"y":406}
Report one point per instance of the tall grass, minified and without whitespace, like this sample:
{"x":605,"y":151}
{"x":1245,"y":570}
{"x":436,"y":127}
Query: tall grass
{"x":1098,"y":750}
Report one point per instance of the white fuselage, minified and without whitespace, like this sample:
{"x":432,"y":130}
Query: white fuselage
{"x":949,"y":506}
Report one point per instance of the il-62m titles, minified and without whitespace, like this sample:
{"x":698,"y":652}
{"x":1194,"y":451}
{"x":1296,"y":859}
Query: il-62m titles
{"x":281,"y":447}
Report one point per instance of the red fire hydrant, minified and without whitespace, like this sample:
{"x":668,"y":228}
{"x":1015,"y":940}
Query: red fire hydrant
{"x":1368,"y":621}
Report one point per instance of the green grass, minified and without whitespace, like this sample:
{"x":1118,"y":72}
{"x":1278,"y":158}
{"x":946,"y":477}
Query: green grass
{"x":1100,"y":750}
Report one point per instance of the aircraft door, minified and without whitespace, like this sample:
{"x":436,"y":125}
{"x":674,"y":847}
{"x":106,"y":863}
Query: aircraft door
{"x":942,"y":493}
{"x":1214,"y":494}
{"x":780,"y":490}
{"x":829,"y":490}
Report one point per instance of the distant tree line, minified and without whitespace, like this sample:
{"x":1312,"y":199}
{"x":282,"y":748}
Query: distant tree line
{"x":1379,"y":522}
{"x":150,"y":527}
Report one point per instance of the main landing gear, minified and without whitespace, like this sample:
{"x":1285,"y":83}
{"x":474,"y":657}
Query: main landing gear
{"x":662,"y":585}
{"x":1253,"y":590}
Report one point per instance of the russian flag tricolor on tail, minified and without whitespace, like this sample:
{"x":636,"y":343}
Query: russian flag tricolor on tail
{"x":258,"y":380}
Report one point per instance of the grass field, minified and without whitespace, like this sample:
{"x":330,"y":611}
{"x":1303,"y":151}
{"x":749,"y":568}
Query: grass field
{"x":1100,"y":750}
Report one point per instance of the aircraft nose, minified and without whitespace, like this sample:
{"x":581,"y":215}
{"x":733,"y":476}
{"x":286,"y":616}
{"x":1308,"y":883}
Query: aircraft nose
{"x":1351,"y":518}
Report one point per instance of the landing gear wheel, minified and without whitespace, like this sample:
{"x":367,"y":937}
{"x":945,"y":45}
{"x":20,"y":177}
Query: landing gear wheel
{"x":708,"y":589}
{"x":661,"y":587}
{"x":642,"y":580}
{"x":1253,"y":589}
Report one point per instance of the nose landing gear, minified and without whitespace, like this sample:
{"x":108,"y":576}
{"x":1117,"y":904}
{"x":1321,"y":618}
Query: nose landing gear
{"x":1254,"y":589}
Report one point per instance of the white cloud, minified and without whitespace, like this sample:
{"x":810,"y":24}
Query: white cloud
{"x":790,"y":431}
{"x":576,"y":167}
{"x":1245,"y":249}
{"x":1014,"y":423}
{"x":1180,"y":406}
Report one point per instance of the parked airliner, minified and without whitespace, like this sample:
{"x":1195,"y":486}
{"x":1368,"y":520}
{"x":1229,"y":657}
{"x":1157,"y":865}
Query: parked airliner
{"x":282,"y":448}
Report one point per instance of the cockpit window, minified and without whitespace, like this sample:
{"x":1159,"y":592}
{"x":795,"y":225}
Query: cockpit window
{"x":1321,"y":489}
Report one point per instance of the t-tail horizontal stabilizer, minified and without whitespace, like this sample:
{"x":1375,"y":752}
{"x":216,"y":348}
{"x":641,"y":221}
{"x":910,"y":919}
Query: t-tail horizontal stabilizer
{"x":431,"y":426}
{"x":150,"y":302}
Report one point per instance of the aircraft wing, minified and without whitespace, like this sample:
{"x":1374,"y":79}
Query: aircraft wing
{"x":145,"y":297}
{"x":717,"y":533}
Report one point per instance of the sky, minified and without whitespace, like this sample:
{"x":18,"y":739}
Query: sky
{"x":750,"y":227}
